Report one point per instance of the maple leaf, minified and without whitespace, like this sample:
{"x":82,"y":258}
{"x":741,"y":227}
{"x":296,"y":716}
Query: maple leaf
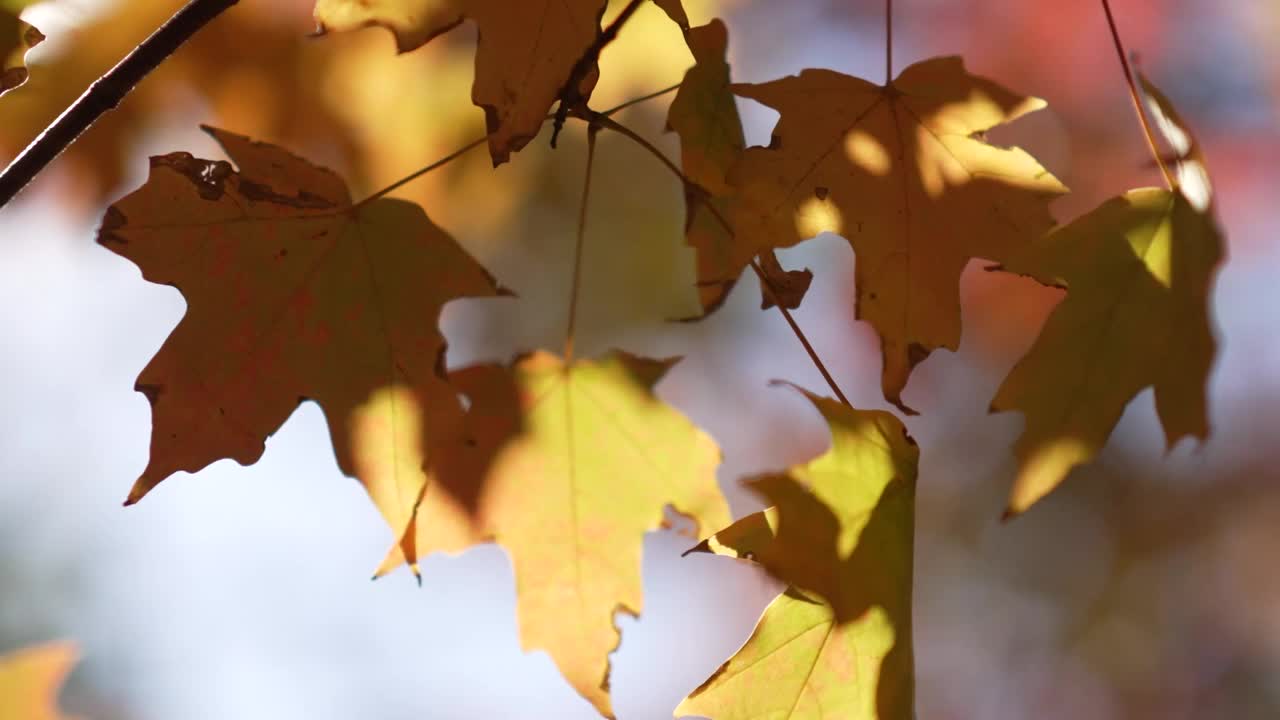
{"x":16,"y":38}
{"x":30,"y":680}
{"x":705,"y":117}
{"x":901,"y":172}
{"x":293,"y":294}
{"x":525,"y":53}
{"x":1139,"y":272}
{"x":838,"y":642}
{"x":570,"y":496}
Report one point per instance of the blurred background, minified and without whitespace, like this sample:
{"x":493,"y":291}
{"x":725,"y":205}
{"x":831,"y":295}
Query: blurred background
{"x":1146,"y":587}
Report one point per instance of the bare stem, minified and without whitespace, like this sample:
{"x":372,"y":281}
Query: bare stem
{"x":611,"y":124}
{"x":642,"y":98}
{"x":795,"y":328}
{"x":888,"y":42}
{"x":576,"y":285}
{"x":480,"y":141}
{"x":106,"y":93}
{"x":571,"y":99}
{"x":1133,"y":94}
{"x":424,"y":170}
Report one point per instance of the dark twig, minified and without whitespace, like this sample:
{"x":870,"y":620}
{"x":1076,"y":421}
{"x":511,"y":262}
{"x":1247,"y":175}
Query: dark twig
{"x":571,"y":99}
{"x":106,"y":93}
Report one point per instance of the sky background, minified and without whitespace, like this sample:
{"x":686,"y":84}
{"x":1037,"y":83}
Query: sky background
{"x":1146,"y":587}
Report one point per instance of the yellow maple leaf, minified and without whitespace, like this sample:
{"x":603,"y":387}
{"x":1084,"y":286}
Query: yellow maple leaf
{"x":30,"y":680}
{"x":901,"y":172}
{"x":571,"y":495}
{"x":293,"y":294}
{"x":838,"y":642}
{"x":1138,"y":271}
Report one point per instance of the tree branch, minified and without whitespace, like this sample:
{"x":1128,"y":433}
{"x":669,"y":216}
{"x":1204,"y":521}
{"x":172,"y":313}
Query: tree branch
{"x":106,"y":93}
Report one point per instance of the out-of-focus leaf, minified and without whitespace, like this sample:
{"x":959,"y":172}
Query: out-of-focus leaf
{"x":16,"y":38}
{"x":1139,"y":272}
{"x":572,"y":495}
{"x":30,"y":680}
{"x":525,"y":53}
{"x":902,"y":173}
{"x":841,"y":530}
{"x":293,"y":295}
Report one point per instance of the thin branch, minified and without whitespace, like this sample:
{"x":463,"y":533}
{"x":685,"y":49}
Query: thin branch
{"x":576,"y":285}
{"x":765,"y":282}
{"x":1133,"y":94}
{"x":571,"y":99}
{"x":888,"y":42}
{"x":106,"y":93}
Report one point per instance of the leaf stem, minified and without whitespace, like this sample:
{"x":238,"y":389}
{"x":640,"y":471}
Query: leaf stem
{"x":576,"y":285}
{"x":611,"y":124}
{"x":481,"y":140}
{"x":423,"y":171}
{"x":1133,"y":95}
{"x":571,"y":99}
{"x":795,"y":328}
{"x":888,"y":42}
{"x":642,"y":98}
{"x":106,"y":93}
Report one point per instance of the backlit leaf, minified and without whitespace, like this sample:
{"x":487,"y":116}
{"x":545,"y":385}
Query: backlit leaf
{"x":525,"y":53}
{"x":1139,"y":272}
{"x":572,"y":495}
{"x":901,"y":172}
{"x":841,"y":529}
{"x":293,"y":295}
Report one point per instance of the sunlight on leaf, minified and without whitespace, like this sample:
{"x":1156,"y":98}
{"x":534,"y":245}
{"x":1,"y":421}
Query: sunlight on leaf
{"x":841,"y":529}
{"x":917,"y":192}
{"x":571,"y":496}
{"x":1139,"y":273}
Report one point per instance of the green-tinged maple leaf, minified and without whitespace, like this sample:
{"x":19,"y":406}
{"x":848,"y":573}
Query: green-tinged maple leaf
{"x":799,"y":664}
{"x":293,"y":294}
{"x":525,"y":53}
{"x":901,"y":172}
{"x":841,"y":530}
{"x":16,"y":38}
{"x":705,"y":117}
{"x":571,"y":495}
{"x":1139,"y":273}
{"x":30,"y":680}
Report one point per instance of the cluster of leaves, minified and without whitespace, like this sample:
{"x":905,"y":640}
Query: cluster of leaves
{"x":297,"y":292}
